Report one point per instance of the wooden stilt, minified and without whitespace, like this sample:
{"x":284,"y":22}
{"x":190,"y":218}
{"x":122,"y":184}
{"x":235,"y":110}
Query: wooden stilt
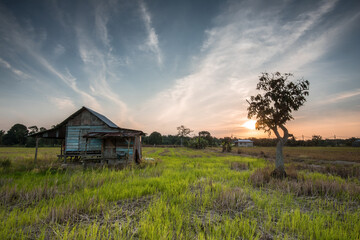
{"x":103,"y":149}
{"x":129,"y":140}
{"x":64,"y":149}
{"x":86,"y":143}
{"x":61,"y":150}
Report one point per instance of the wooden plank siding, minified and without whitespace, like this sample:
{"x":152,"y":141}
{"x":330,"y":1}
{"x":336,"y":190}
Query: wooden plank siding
{"x":76,"y":142}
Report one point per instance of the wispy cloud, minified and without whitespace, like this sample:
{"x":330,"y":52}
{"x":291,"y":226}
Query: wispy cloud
{"x":13,"y":70}
{"x":237,"y":49}
{"x":101,"y":19}
{"x":26,"y":42}
{"x":341,"y":96}
{"x":59,"y":50}
{"x":101,"y":66}
{"x":152,"y":42}
{"x":63,"y":103}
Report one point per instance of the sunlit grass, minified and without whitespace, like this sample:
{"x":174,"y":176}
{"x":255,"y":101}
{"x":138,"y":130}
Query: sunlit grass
{"x":183,"y":194}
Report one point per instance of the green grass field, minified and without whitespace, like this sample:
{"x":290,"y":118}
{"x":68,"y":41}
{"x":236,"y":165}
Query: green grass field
{"x":183,"y":194}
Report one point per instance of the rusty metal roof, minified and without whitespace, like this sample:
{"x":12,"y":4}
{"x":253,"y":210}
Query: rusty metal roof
{"x":103,"y":118}
{"x":113,"y":134}
{"x":123,"y":131}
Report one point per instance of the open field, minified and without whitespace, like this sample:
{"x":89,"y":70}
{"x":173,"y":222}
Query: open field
{"x":307,"y":154}
{"x":183,"y":194}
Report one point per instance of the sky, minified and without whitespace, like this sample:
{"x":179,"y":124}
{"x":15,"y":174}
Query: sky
{"x":155,"y":65}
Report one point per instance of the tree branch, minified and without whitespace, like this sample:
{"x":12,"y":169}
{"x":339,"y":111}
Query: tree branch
{"x":275,"y":130}
{"x":286,"y":133}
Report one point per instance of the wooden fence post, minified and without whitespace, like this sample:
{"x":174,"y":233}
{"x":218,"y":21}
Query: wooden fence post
{"x":36,"y":150}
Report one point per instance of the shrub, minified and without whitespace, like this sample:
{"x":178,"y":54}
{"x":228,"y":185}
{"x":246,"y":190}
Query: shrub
{"x":198,"y":143}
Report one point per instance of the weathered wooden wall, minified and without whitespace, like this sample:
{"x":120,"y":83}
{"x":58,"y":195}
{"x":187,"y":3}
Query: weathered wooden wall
{"x":80,"y":125}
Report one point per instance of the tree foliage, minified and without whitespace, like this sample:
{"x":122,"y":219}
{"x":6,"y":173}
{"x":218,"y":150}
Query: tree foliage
{"x":16,"y":135}
{"x":2,"y":133}
{"x":226,"y":144}
{"x":280,"y":98}
{"x":155,"y":138}
{"x":207,"y":136}
{"x":198,"y":143}
{"x":274,"y":105}
{"x":183,"y":132}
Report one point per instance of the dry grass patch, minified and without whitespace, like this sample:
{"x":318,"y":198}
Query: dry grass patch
{"x":74,"y":212}
{"x":239,"y":166}
{"x":231,"y":201}
{"x":308,"y":154}
{"x":11,"y":195}
{"x":300,"y":186}
{"x":336,"y":170}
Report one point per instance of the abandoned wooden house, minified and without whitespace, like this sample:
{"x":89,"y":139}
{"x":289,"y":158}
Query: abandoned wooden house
{"x":88,"y":136}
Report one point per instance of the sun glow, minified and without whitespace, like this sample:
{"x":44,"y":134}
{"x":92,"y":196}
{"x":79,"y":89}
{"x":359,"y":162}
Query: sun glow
{"x":249,"y":124}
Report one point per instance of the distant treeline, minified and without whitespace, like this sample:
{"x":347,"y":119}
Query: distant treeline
{"x":202,"y":141}
{"x":18,"y":136}
{"x":314,"y":142}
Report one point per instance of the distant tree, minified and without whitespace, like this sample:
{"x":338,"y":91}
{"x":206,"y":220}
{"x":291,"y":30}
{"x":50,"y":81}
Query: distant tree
{"x":33,"y":129}
{"x":183,"y":132}
{"x":292,"y":141}
{"x":273,"y":108}
{"x":198,"y":143}
{"x":16,"y":135}
{"x":207,"y":136}
{"x":226,"y":144}
{"x":2,"y":132}
{"x":350,"y":141}
{"x":155,"y":138}
{"x":171,"y":140}
{"x":316,"y":140}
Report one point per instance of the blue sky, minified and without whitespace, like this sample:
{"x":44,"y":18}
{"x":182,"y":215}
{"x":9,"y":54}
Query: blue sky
{"x":156,"y":65}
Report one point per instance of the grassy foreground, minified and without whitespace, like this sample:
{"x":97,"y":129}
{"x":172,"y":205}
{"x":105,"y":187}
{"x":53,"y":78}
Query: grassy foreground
{"x":183,"y":194}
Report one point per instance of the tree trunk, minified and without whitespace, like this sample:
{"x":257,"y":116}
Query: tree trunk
{"x":279,"y":163}
{"x":279,"y":171}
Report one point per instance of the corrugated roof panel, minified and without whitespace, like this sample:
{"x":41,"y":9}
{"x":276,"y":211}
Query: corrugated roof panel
{"x":244,"y":140}
{"x":103,"y":118}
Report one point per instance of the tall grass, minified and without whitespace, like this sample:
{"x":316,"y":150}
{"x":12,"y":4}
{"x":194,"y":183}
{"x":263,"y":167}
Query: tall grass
{"x":184,"y":194}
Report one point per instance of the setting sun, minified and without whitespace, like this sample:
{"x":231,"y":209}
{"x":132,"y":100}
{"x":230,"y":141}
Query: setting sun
{"x":249,"y":124}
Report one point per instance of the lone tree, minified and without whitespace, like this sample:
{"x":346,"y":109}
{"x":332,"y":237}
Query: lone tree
{"x":183,"y":132}
{"x":273,"y":107}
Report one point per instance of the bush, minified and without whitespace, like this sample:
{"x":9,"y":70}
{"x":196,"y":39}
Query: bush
{"x":198,"y":143}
